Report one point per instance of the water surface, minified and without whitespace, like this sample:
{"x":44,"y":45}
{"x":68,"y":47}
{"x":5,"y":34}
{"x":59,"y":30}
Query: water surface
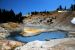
{"x":42,"y":36}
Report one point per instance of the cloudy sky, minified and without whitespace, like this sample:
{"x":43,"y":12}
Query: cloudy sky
{"x":26,"y":6}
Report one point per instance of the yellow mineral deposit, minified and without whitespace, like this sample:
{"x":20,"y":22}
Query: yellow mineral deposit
{"x":31,"y":31}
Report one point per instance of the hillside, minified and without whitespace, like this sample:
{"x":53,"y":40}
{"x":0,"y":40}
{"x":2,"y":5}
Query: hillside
{"x":51,"y":20}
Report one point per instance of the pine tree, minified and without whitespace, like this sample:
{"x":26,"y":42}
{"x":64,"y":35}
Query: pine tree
{"x":72,"y":8}
{"x":60,"y":7}
{"x":65,"y":8}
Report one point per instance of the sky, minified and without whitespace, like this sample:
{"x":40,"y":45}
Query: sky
{"x":26,"y":6}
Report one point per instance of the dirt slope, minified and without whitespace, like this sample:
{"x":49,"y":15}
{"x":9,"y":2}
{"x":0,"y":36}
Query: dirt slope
{"x":54,"y":20}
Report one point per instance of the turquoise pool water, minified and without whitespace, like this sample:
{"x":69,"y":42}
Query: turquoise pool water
{"x":42,"y":36}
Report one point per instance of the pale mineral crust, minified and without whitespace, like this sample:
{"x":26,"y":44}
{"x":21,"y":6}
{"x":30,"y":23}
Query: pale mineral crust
{"x":57,"y":44}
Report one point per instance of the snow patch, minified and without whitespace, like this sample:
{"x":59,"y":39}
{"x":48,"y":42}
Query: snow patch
{"x":73,"y":21}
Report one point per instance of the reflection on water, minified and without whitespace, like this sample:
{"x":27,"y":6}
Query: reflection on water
{"x":42,"y":36}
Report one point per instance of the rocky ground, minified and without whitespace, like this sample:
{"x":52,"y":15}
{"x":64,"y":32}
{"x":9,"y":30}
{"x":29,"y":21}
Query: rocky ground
{"x":7,"y":29}
{"x":3,"y":33}
{"x":9,"y":44}
{"x":11,"y":26}
{"x":53,"y":21}
{"x":36,"y":23}
{"x":57,"y":44}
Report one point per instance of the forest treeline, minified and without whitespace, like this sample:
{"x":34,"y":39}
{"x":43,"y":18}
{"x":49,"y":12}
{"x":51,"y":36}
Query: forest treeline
{"x":72,"y":8}
{"x":10,"y":16}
